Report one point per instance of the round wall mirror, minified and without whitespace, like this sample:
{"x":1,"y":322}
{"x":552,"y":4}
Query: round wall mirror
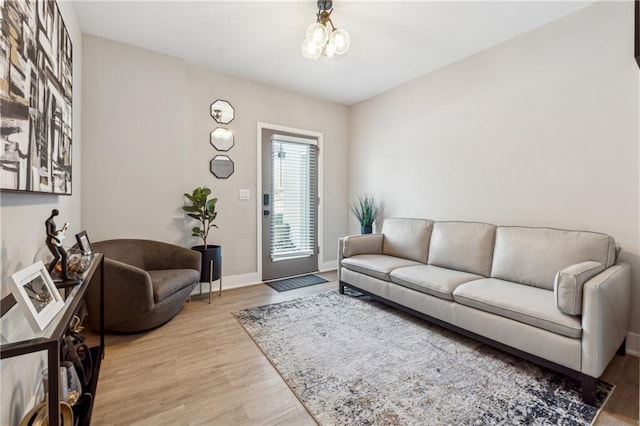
{"x":222,"y":111}
{"x":222,"y":166}
{"x":222,"y":139}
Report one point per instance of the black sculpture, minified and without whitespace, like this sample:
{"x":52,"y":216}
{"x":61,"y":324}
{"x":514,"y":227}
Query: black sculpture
{"x":54,"y":243}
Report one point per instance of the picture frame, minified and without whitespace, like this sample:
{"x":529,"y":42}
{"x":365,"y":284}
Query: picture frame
{"x":37,"y":295}
{"x":83,"y":242}
{"x":637,"y":32}
{"x":36,"y":99}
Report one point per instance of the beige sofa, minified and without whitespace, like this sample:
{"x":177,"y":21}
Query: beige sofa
{"x":555,"y":297}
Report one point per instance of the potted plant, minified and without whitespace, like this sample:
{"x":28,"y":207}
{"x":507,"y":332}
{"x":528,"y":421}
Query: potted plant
{"x":366,"y":210}
{"x":203,"y":209}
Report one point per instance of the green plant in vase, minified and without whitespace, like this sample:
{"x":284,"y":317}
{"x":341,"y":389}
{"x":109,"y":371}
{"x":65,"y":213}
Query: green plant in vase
{"x":366,"y":209}
{"x":203,"y":209}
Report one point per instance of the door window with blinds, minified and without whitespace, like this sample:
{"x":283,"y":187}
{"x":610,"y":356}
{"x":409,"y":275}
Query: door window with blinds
{"x":293,"y":212}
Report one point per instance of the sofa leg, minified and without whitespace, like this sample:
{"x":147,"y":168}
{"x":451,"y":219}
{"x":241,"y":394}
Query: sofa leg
{"x":589,"y":390}
{"x":340,"y":287}
{"x":622,"y":350}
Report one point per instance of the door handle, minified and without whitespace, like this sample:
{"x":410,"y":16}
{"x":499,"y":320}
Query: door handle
{"x":265,"y":199}
{"x":266,"y":212}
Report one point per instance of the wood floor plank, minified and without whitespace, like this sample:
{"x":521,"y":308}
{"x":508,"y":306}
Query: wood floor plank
{"x":203,"y":369}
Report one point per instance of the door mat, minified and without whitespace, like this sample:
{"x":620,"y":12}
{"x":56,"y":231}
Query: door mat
{"x":296,"y":282}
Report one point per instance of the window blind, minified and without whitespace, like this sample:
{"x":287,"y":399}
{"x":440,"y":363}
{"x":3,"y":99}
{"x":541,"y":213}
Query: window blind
{"x":293,"y":219}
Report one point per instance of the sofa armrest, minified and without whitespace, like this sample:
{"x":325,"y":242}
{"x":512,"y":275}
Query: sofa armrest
{"x":127,"y":292}
{"x":362,"y":244}
{"x":606,"y":308}
{"x":568,"y":284}
{"x":158,"y":255}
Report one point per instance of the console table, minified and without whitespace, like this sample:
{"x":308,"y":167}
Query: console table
{"x":50,"y":338}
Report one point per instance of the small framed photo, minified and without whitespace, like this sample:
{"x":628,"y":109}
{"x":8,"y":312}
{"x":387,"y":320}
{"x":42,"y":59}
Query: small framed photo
{"x":83,"y":242}
{"x":36,"y":295}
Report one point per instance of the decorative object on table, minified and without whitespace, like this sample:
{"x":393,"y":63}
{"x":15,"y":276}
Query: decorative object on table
{"x":83,"y":242}
{"x":320,"y":40}
{"x":222,"y":111}
{"x":36,"y":98}
{"x":222,"y":139}
{"x":36,"y":295}
{"x":366,"y":209}
{"x":222,"y":166}
{"x":353,"y":360}
{"x":203,"y":209}
{"x":54,"y":243}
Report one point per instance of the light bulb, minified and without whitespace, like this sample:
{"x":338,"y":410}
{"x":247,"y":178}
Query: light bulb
{"x":311,"y":50}
{"x":317,"y":33}
{"x":329,"y":49}
{"x":340,"y":40}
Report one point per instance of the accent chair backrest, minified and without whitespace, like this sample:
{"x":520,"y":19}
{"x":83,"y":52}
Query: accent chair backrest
{"x":463,"y":246}
{"x":533,"y":256}
{"x":127,"y":251}
{"x":407,"y":238}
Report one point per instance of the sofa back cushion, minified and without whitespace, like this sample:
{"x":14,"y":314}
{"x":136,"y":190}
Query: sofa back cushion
{"x":407,"y":238}
{"x":533,"y":256}
{"x":463,"y":246}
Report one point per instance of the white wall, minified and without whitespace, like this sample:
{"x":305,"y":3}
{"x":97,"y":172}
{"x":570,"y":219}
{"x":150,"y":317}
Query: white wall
{"x":147,"y":125}
{"x":22,"y":233}
{"x":541,"y":130}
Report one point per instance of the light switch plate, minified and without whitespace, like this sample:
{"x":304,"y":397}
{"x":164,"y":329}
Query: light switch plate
{"x":244,"y":194}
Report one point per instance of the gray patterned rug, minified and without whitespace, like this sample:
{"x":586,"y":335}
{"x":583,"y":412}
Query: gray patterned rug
{"x":353,"y":360}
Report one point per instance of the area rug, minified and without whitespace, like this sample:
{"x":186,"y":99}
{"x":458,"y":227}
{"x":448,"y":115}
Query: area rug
{"x":354,"y":361}
{"x":296,"y":282}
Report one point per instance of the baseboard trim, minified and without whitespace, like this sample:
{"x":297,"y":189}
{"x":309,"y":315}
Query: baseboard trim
{"x":232,"y":281}
{"x":633,"y":344}
{"x":328,"y":266}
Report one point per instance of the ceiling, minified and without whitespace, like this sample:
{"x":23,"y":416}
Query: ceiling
{"x":392,"y":42}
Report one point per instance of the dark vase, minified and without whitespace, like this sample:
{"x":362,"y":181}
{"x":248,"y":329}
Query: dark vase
{"x":364,"y":229}
{"x":214,"y":253}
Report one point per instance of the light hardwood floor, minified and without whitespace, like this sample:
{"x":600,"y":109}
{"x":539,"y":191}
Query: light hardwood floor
{"x":203,"y":369}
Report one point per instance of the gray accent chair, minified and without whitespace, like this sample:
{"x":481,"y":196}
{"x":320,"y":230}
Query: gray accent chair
{"x":146,"y":283}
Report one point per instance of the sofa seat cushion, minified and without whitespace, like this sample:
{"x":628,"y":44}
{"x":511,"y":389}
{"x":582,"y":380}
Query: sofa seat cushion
{"x":432,"y":280}
{"x":167,"y":282}
{"x":519,"y":302}
{"x":376,"y":265}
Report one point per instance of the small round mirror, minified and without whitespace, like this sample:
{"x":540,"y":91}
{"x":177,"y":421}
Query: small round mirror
{"x":222,"y":111}
{"x":221,"y":166}
{"x":222,"y":139}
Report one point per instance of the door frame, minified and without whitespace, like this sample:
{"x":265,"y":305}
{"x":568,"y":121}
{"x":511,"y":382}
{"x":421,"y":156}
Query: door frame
{"x":302,"y":132}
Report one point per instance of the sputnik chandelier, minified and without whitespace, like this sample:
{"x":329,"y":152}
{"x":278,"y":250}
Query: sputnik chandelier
{"x":320,"y":39}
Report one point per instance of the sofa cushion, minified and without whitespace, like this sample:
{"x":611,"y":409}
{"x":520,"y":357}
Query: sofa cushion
{"x":464,"y":246}
{"x":407,"y":238}
{"x":526,"y":304}
{"x":568,"y":283}
{"x":433,"y":280}
{"x":376,"y":265}
{"x":170,"y":281}
{"x":533,"y":256}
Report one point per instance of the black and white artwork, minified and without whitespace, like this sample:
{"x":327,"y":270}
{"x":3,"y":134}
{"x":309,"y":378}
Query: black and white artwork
{"x":35,"y":98}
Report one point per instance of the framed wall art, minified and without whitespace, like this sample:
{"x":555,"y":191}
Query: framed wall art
{"x":35,"y":98}
{"x":36,"y":295}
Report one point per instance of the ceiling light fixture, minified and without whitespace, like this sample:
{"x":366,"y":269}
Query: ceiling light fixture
{"x":322,"y":40}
